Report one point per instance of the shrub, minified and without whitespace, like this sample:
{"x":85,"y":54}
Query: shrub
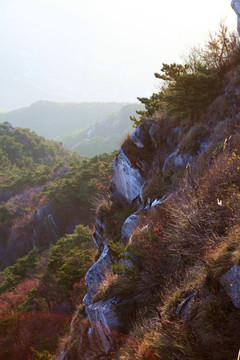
{"x":12,"y":275}
{"x":148,"y":247}
{"x":45,"y":355}
{"x":192,"y":141}
{"x":162,"y":183}
{"x":190,"y":88}
{"x":135,"y":153}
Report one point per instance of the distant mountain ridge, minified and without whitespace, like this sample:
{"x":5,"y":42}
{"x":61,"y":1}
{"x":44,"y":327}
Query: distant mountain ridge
{"x":104,"y":135}
{"x":89,"y":128}
{"x":51,"y":119}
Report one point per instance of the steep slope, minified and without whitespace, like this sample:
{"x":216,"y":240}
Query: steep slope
{"x":166,"y":283}
{"x":51,"y":119}
{"x":45,"y":191}
{"x":39,"y":294}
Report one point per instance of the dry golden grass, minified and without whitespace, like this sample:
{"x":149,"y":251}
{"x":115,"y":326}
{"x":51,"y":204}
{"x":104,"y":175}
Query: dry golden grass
{"x":109,"y":281}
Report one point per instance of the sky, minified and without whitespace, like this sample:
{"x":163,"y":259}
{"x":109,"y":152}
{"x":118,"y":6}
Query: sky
{"x":97,"y":50}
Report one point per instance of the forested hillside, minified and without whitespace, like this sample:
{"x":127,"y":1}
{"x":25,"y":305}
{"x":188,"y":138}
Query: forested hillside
{"x":157,"y":276}
{"x":104,"y":135}
{"x":45,"y":193}
{"x":26,"y":159}
{"x":51,"y":119}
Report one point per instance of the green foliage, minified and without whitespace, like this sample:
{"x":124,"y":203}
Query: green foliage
{"x":151,"y":104}
{"x":74,"y":268}
{"x":71,"y":257}
{"x":51,"y":119}
{"x":79,"y":184}
{"x":12,"y":275}
{"x":102,"y":136}
{"x":26,"y":159}
{"x":45,"y":355}
{"x":117,"y":249}
{"x":188,"y":89}
{"x":5,"y":214}
{"x":189,"y":92}
{"x":127,"y":270}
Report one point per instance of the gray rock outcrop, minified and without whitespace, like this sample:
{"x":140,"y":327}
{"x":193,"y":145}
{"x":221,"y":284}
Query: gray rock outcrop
{"x":127,"y":180}
{"x":231,"y":283}
{"x":177,"y":160}
{"x":96,"y":274}
{"x":131,"y":173}
{"x":129,"y":226}
{"x":139,"y":137}
{"x":236,"y":7}
{"x":109,"y":319}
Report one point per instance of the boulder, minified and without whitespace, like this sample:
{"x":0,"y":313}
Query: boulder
{"x":129,"y":226}
{"x":231,"y":283}
{"x":173,"y":138}
{"x":96,"y":274}
{"x":182,"y":160}
{"x":177,"y":160}
{"x":127,"y":180}
{"x":154,"y":132}
{"x":184,"y":308}
{"x":139,"y":137}
{"x":110,"y":319}
{"x":142,"y":137}
{"x":170,"y":160}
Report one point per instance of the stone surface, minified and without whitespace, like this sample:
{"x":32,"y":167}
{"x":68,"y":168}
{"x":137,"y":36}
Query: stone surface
{"x":129,"y":226}
{"x":204,"y":145}
{"x":127,"y":181}
{"x":158,"y":201}
{"x":153,"y":132}
{"x":99,"y":236}
{"x":63,"y":355}
{"x":182,"y":160}
{"x":170,"y":160}
{"x":231,"y":283}
{"x":177,"y":160}
{"x":185,"y":306}
{"x":109,"y":317}
{"x":96,"y":274}
{"x":173,"y":138}
{"x":139,"y":137}
{"x":236,"y":7}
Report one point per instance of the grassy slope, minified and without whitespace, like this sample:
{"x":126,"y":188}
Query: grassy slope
{"x":194,"y":240}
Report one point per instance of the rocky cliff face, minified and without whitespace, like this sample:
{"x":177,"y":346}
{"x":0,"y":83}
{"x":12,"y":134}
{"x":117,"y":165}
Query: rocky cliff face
{"x":29,"y":223}
{"x":110,"y":318}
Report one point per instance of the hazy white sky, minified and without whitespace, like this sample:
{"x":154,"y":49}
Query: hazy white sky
{"x":96,"y":50}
